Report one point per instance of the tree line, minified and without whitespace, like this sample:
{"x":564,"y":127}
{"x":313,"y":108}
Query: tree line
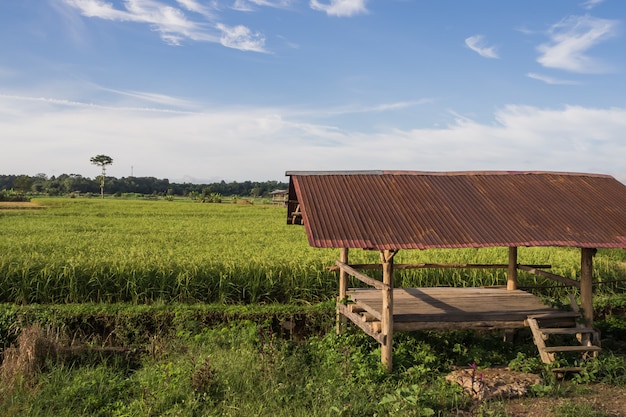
{"x":66,"y":184}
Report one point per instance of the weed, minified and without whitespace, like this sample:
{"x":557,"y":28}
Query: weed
{"x":204,"y":382}
{"x":405,"y":401}
{"x":22,"y":362}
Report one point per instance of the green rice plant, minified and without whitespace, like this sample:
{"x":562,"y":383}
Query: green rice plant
{"x":142,"y":251}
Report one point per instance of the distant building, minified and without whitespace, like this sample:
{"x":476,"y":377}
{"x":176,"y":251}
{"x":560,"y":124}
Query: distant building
{"x":279,"y":197}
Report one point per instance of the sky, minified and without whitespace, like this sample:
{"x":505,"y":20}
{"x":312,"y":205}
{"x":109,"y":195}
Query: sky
{"x":209,"y":90}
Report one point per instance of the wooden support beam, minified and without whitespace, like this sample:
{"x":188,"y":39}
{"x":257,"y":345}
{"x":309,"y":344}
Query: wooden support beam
{"x":511,"y":285}
{"x":564,"y":280}
{"x":368,"y":317}
{"x":445,"y":326}
{"x":437,"y":265}
{"x":511,"y":276}
{"x":586,"y":284}
{"x":343,"y":286}
{"x":360,"y":276}
{"x":386,"y":257}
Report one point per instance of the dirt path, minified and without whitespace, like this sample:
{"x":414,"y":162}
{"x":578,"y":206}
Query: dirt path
{"x":601,"y":398}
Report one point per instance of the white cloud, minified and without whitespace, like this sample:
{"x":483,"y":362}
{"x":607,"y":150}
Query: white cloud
{"x":242,"y":6}
{"x":101,"y":9}
{"x":550,"y":80}
{"x":59,"y":136}
{"x":194,"y":6}
{"x":156,"y":98}
{"x":359,"y":109}
{"x":242,"y":38}
{"x":590,"y":4}
{"x":340,"y":8}
{"x":571,"y":38}
{"x":174,"y":26}
{"x":477,"y":44}
{"x":272,"y":3}
{"x":249,"y":5}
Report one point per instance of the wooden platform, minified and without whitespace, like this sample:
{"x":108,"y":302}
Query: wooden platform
{"x":449,"y":308}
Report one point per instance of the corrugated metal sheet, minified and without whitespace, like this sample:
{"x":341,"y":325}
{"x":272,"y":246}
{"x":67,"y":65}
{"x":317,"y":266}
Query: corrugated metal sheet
{"x":423,"y":210}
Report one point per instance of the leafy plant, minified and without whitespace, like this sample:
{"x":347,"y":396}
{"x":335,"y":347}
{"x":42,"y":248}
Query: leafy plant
{"x":405,"y":401}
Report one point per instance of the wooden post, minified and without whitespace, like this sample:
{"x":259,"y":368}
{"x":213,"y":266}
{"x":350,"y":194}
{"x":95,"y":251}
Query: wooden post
{"x":511,"y":284}
{"x":511,"y":276}
{"x":586,"y":284}
{"x":386,"y":257}
{"x":343,"y":287}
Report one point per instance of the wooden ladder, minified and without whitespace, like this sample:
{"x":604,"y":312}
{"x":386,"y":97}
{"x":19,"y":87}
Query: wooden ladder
{"x":543,"y":326}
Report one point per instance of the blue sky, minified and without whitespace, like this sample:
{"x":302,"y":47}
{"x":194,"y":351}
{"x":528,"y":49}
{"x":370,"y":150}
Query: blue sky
{"x":209,"y":90}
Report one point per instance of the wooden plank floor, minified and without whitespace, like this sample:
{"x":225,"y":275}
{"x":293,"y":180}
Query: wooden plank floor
{"x":454,"y":308}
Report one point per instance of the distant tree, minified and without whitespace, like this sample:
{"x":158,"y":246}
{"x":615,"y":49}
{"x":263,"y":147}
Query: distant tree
{"x":102,"y":161}
{"x":23,"y":184}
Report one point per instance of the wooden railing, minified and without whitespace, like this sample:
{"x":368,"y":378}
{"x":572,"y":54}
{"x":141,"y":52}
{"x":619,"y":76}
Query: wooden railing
{"x":532,"y":269}
{"x":350,"y":270}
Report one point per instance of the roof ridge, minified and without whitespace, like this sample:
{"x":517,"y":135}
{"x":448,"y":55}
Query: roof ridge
{"x":444,"y":173}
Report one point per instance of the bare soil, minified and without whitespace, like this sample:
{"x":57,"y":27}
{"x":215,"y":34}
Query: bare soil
{"x":18,"y":205}
{"x":505,"y":392}
{"x":609,"y":400}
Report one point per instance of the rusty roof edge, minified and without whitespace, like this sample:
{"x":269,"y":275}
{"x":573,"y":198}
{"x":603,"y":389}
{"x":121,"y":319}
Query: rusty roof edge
{"x":306,"y":173}
{"x":444,"y":173}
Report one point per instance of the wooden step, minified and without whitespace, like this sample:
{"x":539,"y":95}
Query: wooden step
{"x":553,"y":349}
{"x":567,"y":330}
{"x":540,"y":335}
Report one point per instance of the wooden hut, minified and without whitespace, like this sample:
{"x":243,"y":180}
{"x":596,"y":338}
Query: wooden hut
{"x":388,"y":211}
{"x":279,"y":197}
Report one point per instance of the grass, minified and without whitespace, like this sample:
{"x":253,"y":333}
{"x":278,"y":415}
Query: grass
{"x":138,"y":251}
{"x":247,"y":368}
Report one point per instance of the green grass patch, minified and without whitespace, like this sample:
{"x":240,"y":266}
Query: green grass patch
{"x":246,"y":368}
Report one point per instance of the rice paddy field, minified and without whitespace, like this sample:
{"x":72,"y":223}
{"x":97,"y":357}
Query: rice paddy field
{"x":74,"y":250}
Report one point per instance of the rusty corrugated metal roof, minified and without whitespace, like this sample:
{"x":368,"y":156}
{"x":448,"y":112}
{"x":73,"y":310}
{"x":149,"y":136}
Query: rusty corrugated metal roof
{"x":424,"y":210}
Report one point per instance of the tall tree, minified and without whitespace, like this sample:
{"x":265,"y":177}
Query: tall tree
{"x":23,"y":184}
{"x":102,"y":161}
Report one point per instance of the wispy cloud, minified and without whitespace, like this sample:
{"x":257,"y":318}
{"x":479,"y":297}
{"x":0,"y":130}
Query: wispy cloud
{"x":550,"y":80}
{"x":340,"y":8}
{"x":360,"y":109}
{"x":194,"y":6}
{"x":200,"y":21}
{"x":477,"y":44}
{"x":250,"y":5}
{"x":590,"y":4}
{"x":173,"y":24}
{"x":242,"y":38}
{"x":156,"y":98}
{"x":66,"y":103}
{"x":101,"y":9}
{"x":571,"y":39}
